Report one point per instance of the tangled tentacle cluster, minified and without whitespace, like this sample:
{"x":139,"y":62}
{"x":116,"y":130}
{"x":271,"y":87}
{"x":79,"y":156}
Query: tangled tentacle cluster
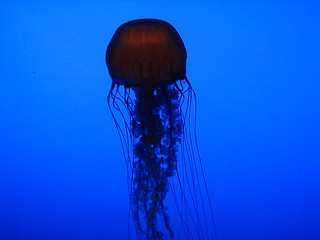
{"x":155,"y":148}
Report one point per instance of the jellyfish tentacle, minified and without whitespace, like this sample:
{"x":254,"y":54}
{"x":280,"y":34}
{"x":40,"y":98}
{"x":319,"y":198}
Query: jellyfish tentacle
{"x":155,"y":158}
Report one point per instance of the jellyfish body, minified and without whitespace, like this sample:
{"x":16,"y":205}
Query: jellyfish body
{"x":150,"y":92}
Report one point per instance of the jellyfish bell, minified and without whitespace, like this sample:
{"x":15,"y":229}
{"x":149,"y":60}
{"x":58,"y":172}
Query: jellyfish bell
{"x":153,"y":106}
{"x":146,"y":52}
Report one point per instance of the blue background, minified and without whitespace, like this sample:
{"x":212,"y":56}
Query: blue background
{"x":255,"y":66}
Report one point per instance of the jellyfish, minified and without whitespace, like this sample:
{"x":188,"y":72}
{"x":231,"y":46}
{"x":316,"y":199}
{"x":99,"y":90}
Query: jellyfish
{"x":153,"y":106}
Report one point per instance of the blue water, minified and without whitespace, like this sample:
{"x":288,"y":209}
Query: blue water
{"x":256,"y":71}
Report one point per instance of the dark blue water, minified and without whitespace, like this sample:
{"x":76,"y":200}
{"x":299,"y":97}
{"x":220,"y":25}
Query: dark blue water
{"x":256,"y":71}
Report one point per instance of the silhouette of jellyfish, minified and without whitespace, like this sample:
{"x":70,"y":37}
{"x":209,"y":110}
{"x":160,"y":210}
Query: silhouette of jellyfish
{"x":150,"y":92}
